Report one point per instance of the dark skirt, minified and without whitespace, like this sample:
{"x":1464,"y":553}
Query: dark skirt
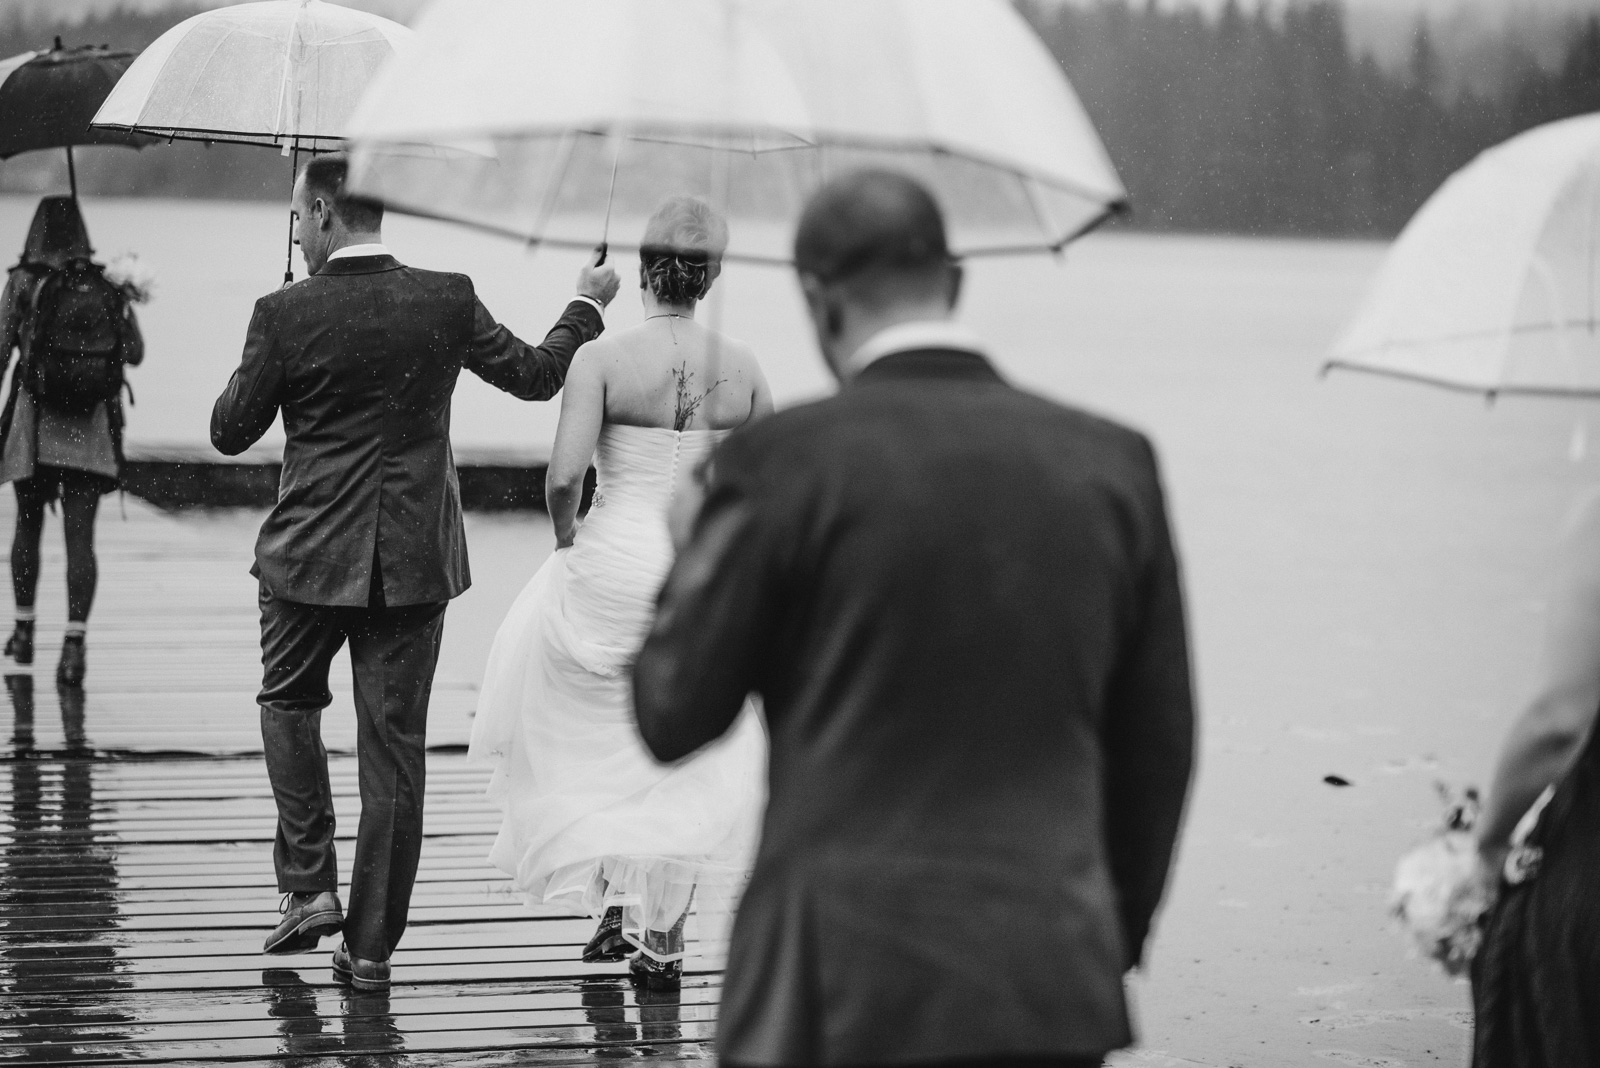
{"x":1536,"y":979}
{"x":48,"y":484}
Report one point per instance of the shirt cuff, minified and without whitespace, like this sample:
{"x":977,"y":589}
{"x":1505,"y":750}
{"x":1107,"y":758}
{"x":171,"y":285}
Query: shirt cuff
{"x":595,"y":304}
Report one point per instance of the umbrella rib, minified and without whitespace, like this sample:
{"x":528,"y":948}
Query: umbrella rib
{"x":1460,"y":387}
{"x":1108,"y":212}
{"x":1516,"y":330}
{"x":232,"y":137}
{"x":751,"y":258}
{"x":558,"y":175}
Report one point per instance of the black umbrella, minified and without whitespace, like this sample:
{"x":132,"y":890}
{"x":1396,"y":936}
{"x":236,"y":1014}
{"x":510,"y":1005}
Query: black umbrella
{"x":47,"y":100}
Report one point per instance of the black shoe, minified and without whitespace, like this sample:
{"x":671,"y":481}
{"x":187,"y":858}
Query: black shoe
{"x":368,"y":976}
{"x":19,"y":647}
{"x":651,"y":974}
{"x":607,"y":944}
{"x":306,"y":918}
{"x":70,"y":670}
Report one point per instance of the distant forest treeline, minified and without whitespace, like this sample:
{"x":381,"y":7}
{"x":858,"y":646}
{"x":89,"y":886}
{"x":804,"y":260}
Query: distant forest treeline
{"x":1251,"y":121}
{"x":1255,"y":122}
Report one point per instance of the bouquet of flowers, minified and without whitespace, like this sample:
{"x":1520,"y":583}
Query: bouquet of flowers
{"x":129,"y":274}
{"x":1443,"y":892}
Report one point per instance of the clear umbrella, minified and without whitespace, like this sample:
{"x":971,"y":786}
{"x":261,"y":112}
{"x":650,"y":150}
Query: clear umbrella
{"x":750,"y":103}
{"x":280,"y":73}
{"x":1494,"y":285}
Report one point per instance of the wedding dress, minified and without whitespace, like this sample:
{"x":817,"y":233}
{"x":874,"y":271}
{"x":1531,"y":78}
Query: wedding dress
{"x":592,"y":821}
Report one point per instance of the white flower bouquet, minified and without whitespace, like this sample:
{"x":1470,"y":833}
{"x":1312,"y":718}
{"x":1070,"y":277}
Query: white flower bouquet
{"x":130,"y":274}
{"x":1443,"y":892}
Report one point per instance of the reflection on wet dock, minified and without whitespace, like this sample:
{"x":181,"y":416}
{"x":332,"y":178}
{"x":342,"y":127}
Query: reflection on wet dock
{"x":136,"y":873}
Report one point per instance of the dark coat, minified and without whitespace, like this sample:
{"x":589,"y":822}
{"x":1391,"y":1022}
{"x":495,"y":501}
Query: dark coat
{"x":961,"y":607}
{"x":362,"y":358}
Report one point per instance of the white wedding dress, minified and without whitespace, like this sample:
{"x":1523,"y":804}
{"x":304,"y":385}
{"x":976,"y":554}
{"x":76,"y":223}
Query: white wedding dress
{"x":592,"y":821}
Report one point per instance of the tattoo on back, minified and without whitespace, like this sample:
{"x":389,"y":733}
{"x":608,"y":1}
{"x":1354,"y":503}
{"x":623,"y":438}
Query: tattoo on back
{"x":688,"y":404}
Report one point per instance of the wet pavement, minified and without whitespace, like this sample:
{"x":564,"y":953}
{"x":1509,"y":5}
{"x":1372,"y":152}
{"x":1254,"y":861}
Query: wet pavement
{"x":136,"y":875}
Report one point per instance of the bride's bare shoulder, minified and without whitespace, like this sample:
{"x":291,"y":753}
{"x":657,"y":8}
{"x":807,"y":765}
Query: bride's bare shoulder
{"x":736,"y":353}
{"x":599,"y":353}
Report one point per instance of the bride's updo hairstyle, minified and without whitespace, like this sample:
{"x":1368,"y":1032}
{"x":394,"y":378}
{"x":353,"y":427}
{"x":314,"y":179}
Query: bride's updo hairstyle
{"x":681,"y":254}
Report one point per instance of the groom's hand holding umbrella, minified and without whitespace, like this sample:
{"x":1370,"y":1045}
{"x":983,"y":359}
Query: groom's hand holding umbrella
{"x":597,"y":281}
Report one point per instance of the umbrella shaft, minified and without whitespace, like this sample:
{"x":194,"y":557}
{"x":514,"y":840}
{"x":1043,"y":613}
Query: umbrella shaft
{"x":288,"y":258}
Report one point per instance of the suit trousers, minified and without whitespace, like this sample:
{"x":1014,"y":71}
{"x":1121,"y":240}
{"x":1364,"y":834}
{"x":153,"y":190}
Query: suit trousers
{"x":393,"y":652}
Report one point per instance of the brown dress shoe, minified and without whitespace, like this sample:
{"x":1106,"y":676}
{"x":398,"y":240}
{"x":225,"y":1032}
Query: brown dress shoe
{"x":306,"y":918}
{"x":371,"y":976}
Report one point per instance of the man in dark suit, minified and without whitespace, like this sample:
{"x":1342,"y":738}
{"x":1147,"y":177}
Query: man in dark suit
{"x":365,"y":544}
{"x":961,"y":607}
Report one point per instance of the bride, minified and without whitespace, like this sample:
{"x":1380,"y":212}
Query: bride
{"x":592,"y":822}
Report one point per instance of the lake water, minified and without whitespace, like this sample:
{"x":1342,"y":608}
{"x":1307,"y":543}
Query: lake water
{"x":1365,"y":562}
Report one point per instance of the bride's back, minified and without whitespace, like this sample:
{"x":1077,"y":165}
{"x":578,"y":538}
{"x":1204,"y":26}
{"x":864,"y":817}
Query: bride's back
{"x":671,"y":372}
{"x":651,"y":400}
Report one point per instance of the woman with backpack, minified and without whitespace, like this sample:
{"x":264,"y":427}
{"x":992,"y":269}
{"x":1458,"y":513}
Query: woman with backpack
{"x":61,"y":431}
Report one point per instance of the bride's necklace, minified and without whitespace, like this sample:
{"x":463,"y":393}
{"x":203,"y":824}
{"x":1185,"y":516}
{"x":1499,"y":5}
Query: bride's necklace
{"x":670,"y":328}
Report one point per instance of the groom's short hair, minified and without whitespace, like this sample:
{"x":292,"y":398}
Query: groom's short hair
{"x":870,"y":226}
{"x":325,"y":177}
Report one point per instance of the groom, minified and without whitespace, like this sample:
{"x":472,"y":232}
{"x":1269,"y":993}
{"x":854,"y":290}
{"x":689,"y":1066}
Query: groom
{"x":365,"y":544}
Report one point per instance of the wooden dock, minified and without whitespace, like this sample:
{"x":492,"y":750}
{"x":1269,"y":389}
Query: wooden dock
{"x":136,"y":881}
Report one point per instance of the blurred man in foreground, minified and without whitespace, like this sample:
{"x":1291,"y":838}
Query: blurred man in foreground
{"x":961,"y":607}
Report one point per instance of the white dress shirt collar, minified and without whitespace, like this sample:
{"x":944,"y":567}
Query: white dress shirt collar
{"x":909,"y":337}
{"x":352,"y":251}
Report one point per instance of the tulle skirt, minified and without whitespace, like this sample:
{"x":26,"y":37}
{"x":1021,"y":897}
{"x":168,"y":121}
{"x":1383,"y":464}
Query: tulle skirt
{"x":592,"y":820}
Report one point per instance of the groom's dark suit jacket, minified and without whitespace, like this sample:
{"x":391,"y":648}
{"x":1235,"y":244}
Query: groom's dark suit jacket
{"x":362,"y":359}
{"x":961,"y":606}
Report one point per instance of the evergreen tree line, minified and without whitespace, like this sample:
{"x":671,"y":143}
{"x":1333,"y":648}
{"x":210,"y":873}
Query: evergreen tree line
{"x":1269,"y":122}
{"x":1256,"y":121}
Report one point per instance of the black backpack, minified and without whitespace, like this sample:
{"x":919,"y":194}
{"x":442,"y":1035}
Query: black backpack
{"x":75,"y":344}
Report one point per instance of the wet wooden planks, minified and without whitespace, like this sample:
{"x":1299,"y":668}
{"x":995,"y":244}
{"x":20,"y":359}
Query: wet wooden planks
{"x":136,"y":878}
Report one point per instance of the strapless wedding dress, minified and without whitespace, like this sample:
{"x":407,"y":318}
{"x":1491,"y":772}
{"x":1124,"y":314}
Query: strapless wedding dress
{"x":592,"y":821}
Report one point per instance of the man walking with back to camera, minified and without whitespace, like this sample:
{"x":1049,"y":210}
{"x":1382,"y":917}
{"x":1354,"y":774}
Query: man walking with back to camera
{"x":365,"y":544}
{"x":961,"y":606}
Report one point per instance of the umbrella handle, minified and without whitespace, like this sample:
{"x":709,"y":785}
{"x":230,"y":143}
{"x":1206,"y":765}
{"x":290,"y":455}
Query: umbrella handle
{"x":601,"y":248}
{"x":288,"y":259}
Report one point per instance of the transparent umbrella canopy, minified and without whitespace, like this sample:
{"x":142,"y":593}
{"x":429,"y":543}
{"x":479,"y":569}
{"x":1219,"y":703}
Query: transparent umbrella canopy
{"x":749,"y":103}
{"x":1494,"y":285}
{"x":279,"y":73}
